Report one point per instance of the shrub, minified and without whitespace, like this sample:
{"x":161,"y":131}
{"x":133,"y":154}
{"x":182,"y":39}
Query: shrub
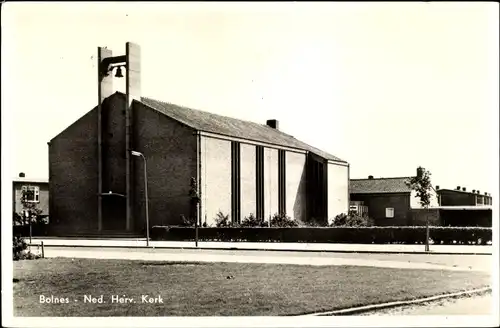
{"x":350,"y":220}
{"x":253,"y":221}
{"x":187,"y":222}
{"x":222,"y":220}
{"x":18,"y":247}
{"x":283,"y":221}
{"x":17,"y":219}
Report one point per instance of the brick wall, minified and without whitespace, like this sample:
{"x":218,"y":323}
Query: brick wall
{"x":455,"y":198}
{"x":73,"y":177}
{"x":377,"y":204}
{"x":170,"y":149}
{"x":467,"y":218}
{"x":419,"y":217}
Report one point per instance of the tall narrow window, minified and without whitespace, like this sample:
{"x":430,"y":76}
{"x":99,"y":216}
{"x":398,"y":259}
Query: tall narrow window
{"x":259,"y":183}
{"x":235,"y":182}
{"x":282,"y":181}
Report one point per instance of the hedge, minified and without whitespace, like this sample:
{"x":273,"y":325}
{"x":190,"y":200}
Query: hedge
{"x":356,"y":235}
{"x":36,"y":230}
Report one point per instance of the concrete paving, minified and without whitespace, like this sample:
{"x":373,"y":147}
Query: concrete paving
{"x":314,"y":247}
{"x":472,"y":305}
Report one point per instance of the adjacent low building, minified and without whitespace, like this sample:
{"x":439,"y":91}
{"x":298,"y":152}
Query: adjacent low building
{"x":460,"y":207}
{"x":389,"y":201}
{"x":461,"y":197}
{"x":38,"y":194}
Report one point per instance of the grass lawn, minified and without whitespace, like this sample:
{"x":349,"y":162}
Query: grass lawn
{"x":204,"y":289}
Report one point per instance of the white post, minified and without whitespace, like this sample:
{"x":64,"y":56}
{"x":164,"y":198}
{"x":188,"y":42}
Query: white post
{"x":147,"y":199}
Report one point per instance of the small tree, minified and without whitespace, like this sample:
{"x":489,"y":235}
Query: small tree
{"x":421,"y":184}
{"x":194,"y":199}
{"x":194,"y":204}
{"x":30,"y":215}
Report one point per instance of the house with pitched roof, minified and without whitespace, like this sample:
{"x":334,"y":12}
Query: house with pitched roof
{"x":37,"y":193}
{"x":240,"y":167}
{"x":390,"y":202}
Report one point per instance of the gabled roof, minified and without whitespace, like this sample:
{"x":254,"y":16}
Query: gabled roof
{"x":228,"y":126}
{"x":379,"y":186}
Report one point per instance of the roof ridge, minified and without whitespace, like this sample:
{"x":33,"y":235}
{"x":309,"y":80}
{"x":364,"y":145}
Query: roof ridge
{"x":195,"y":109}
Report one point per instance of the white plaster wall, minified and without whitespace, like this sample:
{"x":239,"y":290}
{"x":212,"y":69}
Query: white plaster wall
{"x":248,"y":181}
{"x":415,"y":201}
{"x":270,"y":182}
{"x":296,"y":185}
{"x":338,"y":186}
{"x":215,"y":178}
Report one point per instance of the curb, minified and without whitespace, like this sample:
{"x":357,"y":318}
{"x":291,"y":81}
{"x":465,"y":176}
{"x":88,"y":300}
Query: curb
{"x":372,"y":307}
{"x":268,"y":249}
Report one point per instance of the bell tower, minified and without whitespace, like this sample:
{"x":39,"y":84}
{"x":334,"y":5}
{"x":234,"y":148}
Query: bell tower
{"x":131,"y":62}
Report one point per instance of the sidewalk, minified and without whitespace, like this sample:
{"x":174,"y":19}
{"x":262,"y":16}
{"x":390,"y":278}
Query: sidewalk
{"x":306,"y":247}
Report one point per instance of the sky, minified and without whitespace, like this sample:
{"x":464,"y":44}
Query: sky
{"x":386,"y":86}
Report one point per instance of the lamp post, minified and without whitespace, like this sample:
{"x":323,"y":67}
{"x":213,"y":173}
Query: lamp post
{"x":138,"y":154}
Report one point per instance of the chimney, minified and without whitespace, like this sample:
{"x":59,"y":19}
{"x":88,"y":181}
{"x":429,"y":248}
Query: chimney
{"x":437,"y":187}
{"x":420,"y":172}
{"x":464,"y":189}
{"x":458,"y":187}
{"x":370,"y":177}
{"x":22,"y":175}
{"x":273,"y":124}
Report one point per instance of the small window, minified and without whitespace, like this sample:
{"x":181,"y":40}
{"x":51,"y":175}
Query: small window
{"x":32,"y":193}
{"x":389,"y":212}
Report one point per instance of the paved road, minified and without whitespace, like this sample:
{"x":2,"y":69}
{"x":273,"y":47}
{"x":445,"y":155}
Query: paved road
{"x":471,"y":305}
{"x":412,"y":261}
{"x":330,"y":247}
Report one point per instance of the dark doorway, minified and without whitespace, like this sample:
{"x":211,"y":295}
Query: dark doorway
{"x":114,"y":212}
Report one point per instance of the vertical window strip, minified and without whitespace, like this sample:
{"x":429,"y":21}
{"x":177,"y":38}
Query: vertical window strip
{"x":259,"y":181}
{"x":233,"y":179}
{"x":235,"y":182}
{"x":238,"y":182}
{"x":281,"y":182}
